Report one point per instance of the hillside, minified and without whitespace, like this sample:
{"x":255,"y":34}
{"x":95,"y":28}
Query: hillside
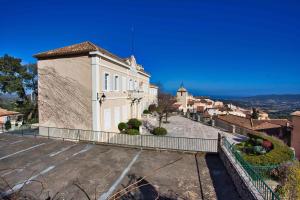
{"x":278,"y":106}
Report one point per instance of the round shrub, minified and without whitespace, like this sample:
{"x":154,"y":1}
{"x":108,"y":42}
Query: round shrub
{"x":134,"y":123}
{"x":132,"y":132}
{"x":259,"y":150}
{"x":7,"y":125}
{"x":259,"y":141}
{"x":152,"y":108}
{"x":146,"y":111}
{"x":122,"y":126}
{"x":159,"y":131}
{"x":267,"y":144}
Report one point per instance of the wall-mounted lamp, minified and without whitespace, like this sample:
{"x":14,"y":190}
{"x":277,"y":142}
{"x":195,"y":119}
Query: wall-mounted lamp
{"x":101,"y":98}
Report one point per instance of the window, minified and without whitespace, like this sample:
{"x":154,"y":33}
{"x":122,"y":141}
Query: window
{"x":130,"y":84}
{"x":107,"y":119}
{"x":116,"y":83}
{"x":135,"y":85}
{"x":106,"y":82}
{"x":124,"y":83}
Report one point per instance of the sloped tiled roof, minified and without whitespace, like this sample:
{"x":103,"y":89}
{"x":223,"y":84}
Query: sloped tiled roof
{"x":200,"y":109}
{"x":266,"y":125}
{"x":153,"y":86}
{"x":182,"y":89}
{"x":4,"y":112}
{"x":296,"y":113}
{"x":252,"y":124}
{"x":76,"y":49}
{"x":80,"y":49}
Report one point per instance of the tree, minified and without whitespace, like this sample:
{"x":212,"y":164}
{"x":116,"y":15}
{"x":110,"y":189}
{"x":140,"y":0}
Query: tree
{"x":19,"y":79}
{"x":12,"y":76}
{"x":7,"y":125}
{"x":165,"y":103}
{"x":255,"y":113}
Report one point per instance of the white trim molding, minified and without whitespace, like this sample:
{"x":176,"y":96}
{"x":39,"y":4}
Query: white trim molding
{"x":95,"y":90}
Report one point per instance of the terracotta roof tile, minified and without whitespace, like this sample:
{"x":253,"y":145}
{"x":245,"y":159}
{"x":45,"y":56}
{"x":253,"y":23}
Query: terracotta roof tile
{"x":200,"y":109}
{"x":296,"y":113}
{"x":79,"y":49}
{"x":252,"y":124}
{"x":4,"y":112}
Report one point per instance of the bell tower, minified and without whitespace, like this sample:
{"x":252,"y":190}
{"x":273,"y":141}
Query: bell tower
{"x":182,"y":97}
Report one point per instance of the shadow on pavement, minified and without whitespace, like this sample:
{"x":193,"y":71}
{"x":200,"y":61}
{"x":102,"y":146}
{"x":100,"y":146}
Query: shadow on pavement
{"x":224,"y":187}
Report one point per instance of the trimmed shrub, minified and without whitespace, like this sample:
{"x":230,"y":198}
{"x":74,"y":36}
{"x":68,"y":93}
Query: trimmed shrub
{"x":159,"y":131}
{"x":146,"y":111}
{"x":152,"y":108}
{"x":122,"y":126}
{"x":259,"y":150}
{"x":132,"y":132}
{"x":259,"y":141}
{"x":134,"y":124}
{"x":7,"y":125}
{"x":267,"y":144}
{"x":279,"y":154}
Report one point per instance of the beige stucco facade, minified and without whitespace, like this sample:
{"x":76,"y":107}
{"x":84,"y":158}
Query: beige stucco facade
{"x":295,"y":139}
{"x":91,"y":92}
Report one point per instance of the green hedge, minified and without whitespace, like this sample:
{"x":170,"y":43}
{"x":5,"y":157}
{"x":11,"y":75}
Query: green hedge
{"x":134,"y":123}
{"x":159,"y":131}
{"x":146,"y":111}
{"x":132,"y":132}
{"x":122,"y":126}
{"x":279,"y":154}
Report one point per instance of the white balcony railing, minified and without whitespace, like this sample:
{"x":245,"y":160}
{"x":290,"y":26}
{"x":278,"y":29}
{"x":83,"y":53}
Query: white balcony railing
{"x":135,"y":94}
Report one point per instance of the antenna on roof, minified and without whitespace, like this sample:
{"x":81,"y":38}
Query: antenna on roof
{"x":132,"y":40}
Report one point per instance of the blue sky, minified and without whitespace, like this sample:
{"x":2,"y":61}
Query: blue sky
{"x":214,"y":47}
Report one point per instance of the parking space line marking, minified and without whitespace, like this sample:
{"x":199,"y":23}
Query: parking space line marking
{"x":28,"y":181}
{"x":62,"y":150}
{"x":105,"y":195}
{"x":20,"y":185}
{"x":35,"y":146}
{"x":86,"y":148}
{"x":16,"y":142}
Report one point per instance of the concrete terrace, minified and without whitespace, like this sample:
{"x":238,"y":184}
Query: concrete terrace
{"x":40,"y":166}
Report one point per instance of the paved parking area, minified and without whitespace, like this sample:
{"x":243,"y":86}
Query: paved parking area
{"x":38,"y":167}
{"x":179,"y":126}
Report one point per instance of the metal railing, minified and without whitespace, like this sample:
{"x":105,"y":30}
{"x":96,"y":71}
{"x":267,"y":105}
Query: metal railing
{"x":142,"y":141}
{"x":257,"y":180}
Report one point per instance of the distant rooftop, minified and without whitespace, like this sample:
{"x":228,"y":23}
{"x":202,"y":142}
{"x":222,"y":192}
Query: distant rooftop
{"x":296,"y":113}
{"x":4,"y":112}
{"x":254,"y":124}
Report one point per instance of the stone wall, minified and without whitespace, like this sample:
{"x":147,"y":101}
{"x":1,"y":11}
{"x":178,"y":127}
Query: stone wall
{"x":242,"y":182}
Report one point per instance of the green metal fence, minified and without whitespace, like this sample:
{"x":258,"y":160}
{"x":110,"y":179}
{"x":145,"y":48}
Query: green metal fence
{"x":257,"y":180}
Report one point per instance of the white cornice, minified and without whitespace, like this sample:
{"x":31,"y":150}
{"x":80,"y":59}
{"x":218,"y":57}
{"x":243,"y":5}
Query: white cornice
{"x":98,"y":53}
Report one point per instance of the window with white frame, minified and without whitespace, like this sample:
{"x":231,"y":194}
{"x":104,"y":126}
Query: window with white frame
{"x":106,"y":82}
{"x":116,"y":83}
{"x":130,"y":84}
{"x":124,"y":83}
{"x":135,"y":85}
